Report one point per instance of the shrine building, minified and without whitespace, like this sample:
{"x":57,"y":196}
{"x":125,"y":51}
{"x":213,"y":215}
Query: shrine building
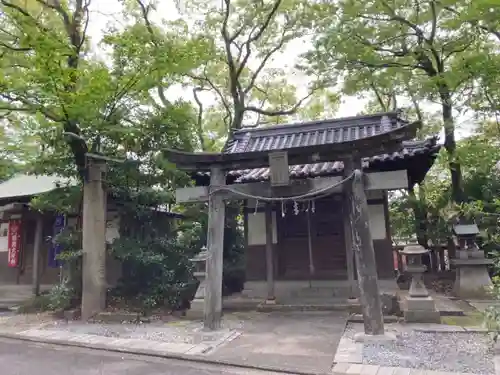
{"x":311,"y":249}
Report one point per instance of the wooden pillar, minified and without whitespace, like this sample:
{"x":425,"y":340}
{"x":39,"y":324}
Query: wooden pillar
{"x":37,"y":245}
{"x":94,"y":241}
{"x":215,"y":245}
{"x":269,"y":252}
{"x":365,"y":258}
{"x":348,"y":169}
{"x":310,"y":248}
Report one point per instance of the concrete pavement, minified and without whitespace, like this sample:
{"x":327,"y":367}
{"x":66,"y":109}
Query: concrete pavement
{"x":23,"y":358}
{"x":294,"y":342}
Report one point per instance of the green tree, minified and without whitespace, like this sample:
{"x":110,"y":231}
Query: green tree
{"x":417,"y":41}
{"x":55,"y":87}
{"x":245,"y":69}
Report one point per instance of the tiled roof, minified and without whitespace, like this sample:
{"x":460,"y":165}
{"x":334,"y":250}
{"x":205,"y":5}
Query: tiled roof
{"x":322,"y":132}
{"x":23,"y":185}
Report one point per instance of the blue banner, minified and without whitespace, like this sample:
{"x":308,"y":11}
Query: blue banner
{"x":55,"y":249}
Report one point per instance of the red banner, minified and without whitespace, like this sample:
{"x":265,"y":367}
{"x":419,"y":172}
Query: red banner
{"x":14,"y":241}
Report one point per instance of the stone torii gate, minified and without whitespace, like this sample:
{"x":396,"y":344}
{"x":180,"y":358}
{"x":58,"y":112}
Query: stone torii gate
{"x":280,"y":188}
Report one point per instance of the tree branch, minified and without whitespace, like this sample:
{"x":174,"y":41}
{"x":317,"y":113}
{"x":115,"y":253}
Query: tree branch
{"x":217,"y":91}
{"x":199,"y":122}
{"x":264,"y":61}
{"x":434,"y":22}
{"x":285,"y":112}
{"x":476,"y":23}
{"x":378,"y":96}
{"x":234,"y":85}
{"x":149,"y":26}
{"x":257,"y":36}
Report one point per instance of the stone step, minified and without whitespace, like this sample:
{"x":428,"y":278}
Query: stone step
{"x":312,"y":305}
{"x":337,"y":291}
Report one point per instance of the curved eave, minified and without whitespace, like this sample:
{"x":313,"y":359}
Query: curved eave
{"x":386,"y":142}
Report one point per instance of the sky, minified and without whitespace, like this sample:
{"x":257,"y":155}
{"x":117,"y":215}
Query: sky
{"x":105,"y":11}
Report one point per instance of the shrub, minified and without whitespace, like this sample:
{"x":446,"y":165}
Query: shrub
{"x":60,"y":297}
{"x":156,"y":271}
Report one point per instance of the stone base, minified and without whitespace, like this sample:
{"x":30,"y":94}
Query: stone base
{"x":363,"y":337}
{"x":472,"y":281}
{"x":421,"y":310}
{"x":422,"y":316}
{"x":286,"y":289}
{"x":196,"y":311}
{"x":420,"y":303}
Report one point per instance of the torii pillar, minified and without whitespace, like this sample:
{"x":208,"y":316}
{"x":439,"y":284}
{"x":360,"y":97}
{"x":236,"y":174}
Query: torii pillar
{"x":215,"y":246}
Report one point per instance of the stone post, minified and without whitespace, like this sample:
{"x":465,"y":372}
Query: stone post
{"x":94,"y":240}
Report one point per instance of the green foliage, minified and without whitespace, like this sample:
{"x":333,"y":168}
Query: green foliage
{"x":193,"y":236}
{"x":65,"y":200}
{"x":241,"y":69}
{"x":156,"y":271}
{"x":492,"y":313}
{"x":60,"y":297}
{"x":70,"y":240}
{"x":479,"y":154}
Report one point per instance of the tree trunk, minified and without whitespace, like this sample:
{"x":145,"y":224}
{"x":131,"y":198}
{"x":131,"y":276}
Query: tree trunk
{"x":420,"y":215}
{"x":450,"y":145}
{"x":237,"y":122}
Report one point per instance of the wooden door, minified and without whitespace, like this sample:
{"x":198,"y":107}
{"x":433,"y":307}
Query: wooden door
{"x":327,"y":239}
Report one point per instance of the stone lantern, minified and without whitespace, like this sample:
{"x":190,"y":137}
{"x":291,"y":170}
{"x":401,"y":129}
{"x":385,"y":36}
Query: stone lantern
{"x":472,"y":278}
{"x":420,"y":306}
{"x":197,"y":307}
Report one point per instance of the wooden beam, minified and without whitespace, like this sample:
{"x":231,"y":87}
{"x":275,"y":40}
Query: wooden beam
{"x":215,"y":244}
{"x":366,"y":265}
{"x":375,"y":181}
{"x":379,"y":144}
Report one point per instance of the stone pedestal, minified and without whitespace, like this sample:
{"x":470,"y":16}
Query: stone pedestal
{"x":472,"y":278}
{"x":197,"y":308}
{"x":420,"y":307}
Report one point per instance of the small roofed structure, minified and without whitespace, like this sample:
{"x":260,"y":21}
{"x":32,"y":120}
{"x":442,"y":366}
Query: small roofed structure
{"x":305,"y":204}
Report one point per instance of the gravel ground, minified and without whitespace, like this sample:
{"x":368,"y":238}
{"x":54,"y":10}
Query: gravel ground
{"x":466,"y":352}
{"x":177,"y":332}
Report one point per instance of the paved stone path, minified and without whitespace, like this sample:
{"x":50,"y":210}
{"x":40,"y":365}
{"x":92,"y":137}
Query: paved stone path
{"x":292,"y":341}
